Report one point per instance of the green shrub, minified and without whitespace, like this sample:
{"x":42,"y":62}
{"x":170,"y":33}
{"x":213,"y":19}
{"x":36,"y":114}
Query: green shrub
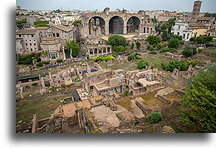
{"x":201,"y":39}
{"x":118,"y":48}
{"x":28,"y":59}
{"x":150,"y":47}
{"x":59,"y":60}
{"x":117,"y":40}
{"x":137,"y":56}
{"x":107,"y":58}
{"x":127,"y":48}
{"x":34,"y":84}
{"x":210,"y":45}
{"x":46,"y":62}
{"x":199,"y":50}
{"x":180,"y":65}
{"x":168,"y":50}
{"x":189,"y":51}
{"x":159,"y":46}
{"x":198,"y":105}
{"x":114,"y":55}
{"x":142,"y":64}
{"x":152,"y":52}
{"x":75,"y":22}
{"x":154,"y":117}
{"x":133,"y":56}
{"x":153,"y":39}
{"x":126,"y":92}
{"x":138,"y":45}
{"x":173,"y":43}
{"x":40,"y":64}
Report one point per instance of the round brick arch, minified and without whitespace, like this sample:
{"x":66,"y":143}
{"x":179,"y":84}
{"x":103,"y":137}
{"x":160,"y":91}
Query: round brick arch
{"x":125,"y":17}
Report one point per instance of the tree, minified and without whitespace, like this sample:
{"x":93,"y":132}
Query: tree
{"x":154,"y":117}
{"x":142,"y":64}
{"x":199,"y":102}
{"x":165,"y":36}
{"x":173,"y":43}
{"x":21,"y":23}
{"x":150,"y":47}
{"x":138,"y":44}
{"x":189,"y":51}
{"x":117,"y":40}
{"x":73,"y":47}
{"x":119,"y":48}
{"x":76,"y":22}
{"x":132,"y":45}
{"x":153,"y":39}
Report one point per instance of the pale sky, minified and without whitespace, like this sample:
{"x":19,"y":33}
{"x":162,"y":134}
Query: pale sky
{"x":135,"y":5}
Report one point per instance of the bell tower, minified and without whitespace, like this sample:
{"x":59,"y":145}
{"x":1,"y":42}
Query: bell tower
{"x":196,"y":9}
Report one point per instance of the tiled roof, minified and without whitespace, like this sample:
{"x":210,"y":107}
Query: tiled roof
{"x":63,"y":28}
{"x":41,"y":28}
{"x":206,"y":19}
{"x":27,"y":31}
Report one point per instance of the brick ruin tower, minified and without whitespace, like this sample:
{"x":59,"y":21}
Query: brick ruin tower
{"x":196,"y":9}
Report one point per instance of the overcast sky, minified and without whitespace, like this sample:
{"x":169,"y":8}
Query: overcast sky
{"x":135,"y":5}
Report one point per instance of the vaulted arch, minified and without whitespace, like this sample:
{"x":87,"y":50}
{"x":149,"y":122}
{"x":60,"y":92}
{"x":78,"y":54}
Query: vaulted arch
{"x":116,"y":25}
{"x":133,"y":24}
{"x":96,"y":26}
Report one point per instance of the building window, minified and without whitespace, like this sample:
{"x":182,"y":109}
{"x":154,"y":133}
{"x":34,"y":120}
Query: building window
{"x":32,"y":35}
{"x":20,"y":36}
{"x":34,"y":43}
{"x":53,"y":55}
{"x":53,"y":34}
{"x":26,"y":44}
{"x":57,"y":34}
{"x":177,"y":33}
{"x":30,"y":44}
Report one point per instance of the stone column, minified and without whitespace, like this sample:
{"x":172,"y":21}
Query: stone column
{"x":64,"y":53}
{"x":34,"y":123}
{"x":125,"y":29}
{"x":107,"y":27}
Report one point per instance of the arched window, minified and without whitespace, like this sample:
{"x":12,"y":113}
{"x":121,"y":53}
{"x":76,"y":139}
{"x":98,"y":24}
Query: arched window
{"x":57,"y":34}
{"x":53,"y":34}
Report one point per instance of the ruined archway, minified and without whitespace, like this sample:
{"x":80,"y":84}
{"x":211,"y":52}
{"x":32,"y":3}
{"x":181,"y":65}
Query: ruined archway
{"x":116,"y":25}
{"x":133,"y":25}
{"x":96,"y":26}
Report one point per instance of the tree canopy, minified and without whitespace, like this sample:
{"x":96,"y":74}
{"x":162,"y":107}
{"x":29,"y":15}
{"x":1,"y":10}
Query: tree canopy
{"x":189,"y":51}
{"x":199,"y":102}
{"x":73,"y":47}
{"x":173,"y":43}
{"x":153,"y":39}
{"x":76,"y":22}
{"x":142,"y":64}
{"x":117,"y":40}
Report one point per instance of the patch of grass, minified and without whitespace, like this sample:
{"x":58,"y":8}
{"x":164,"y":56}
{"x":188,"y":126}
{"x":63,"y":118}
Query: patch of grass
{"x":42,"y":107}
{"x":124,"y":102}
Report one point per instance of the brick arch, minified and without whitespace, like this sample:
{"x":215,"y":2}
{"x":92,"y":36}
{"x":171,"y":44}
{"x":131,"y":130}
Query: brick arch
{"x":92,"y":24}
{"x":116,"y":25}
{"x":134,"y":25}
